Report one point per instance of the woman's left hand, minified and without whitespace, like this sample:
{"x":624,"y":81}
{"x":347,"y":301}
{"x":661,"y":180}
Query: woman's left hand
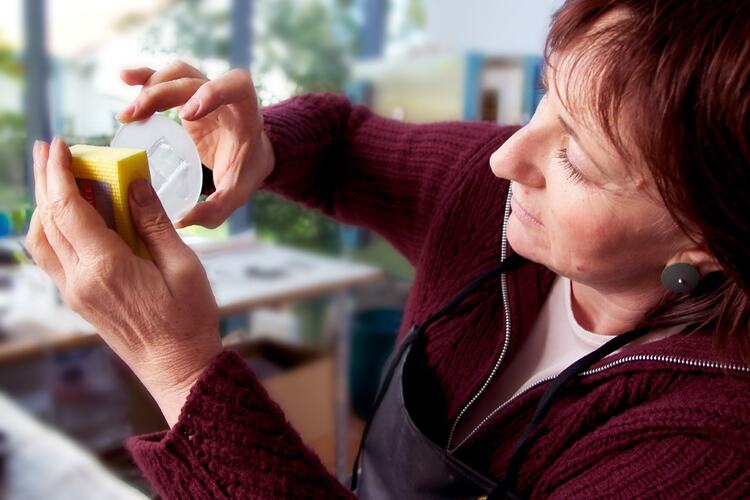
{"x":159,"y":316}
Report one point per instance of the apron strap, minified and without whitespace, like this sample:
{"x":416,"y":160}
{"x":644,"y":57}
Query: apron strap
{"x":506,"y":487}
{"x":511,"y":263}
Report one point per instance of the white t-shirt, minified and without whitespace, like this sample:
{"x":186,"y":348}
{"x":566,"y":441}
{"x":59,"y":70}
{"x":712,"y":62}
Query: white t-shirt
{"x":555,"y":341}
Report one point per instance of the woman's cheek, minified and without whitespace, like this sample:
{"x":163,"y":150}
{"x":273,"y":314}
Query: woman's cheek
{"x":586,"y":240}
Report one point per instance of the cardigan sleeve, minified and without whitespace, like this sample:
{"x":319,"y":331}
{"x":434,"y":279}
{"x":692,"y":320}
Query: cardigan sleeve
{"x":232,"y":441}
{"x":366,"y":170}
{"x":649,"y":466}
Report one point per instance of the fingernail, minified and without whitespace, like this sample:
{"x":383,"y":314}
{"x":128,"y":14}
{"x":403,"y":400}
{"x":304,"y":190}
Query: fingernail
{"x":56,"y":144}
{"x":143,"y":193}
{"x":190,"y":109}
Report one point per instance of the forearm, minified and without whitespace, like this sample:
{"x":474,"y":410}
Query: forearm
{"x":363,"y":169}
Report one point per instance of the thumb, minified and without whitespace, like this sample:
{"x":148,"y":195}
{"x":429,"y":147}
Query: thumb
{"x":211,"y":212}
{"x":153,"y":224}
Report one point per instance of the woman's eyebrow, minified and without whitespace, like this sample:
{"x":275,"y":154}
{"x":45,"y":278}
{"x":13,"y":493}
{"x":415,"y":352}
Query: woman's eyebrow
{"x":568,"y":129}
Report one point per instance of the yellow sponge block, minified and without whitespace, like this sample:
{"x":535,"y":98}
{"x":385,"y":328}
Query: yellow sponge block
{"x":103,"y":176}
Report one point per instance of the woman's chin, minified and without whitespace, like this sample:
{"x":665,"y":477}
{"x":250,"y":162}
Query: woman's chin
{"x":525,"y":241}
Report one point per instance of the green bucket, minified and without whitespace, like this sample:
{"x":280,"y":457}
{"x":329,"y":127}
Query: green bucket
{"x":374,"y":334}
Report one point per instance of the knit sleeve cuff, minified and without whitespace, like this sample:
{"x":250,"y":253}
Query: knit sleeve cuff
{"x":301,"y":131}
{"x":231,"y":441}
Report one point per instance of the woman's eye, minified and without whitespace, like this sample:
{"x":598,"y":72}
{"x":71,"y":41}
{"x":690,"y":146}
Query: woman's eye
{"x":573,"y":173}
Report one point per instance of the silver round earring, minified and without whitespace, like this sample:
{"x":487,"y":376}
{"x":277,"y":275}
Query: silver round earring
{"x":680,"y":277}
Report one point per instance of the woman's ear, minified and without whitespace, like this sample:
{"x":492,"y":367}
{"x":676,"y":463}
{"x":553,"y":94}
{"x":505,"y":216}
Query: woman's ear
{"x":700,"y":257}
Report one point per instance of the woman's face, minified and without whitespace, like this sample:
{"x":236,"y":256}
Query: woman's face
{"x":589,"y":217}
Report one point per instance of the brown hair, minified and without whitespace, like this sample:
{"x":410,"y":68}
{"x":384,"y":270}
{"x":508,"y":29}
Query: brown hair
{"x":679,"y":70}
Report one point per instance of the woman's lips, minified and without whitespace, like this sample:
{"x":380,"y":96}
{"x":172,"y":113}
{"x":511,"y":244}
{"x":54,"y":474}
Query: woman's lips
{"x":523,"y":214}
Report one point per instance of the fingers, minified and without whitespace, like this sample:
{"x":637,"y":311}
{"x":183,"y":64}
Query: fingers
{"x":42,"y":252}
{"x":231,"y":88}
{"x":58,"y":243}
{"x":136,"y":76}
{"x":210,"y":213}
{"x":160,"y":97}
{"x":150,"y":79}
{"x":177,"y":83}
{"x":234,"y":186}
{"x":39,"y":153}
{"x":154,"y":227}
{"x":59,"y":180}
{"x":232,"y":190}
{"x":78,"y":222}
{"x":175,"y":70}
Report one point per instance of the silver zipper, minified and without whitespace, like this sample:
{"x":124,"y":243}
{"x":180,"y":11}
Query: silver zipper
{"x":506,"y":308}
{"x":494,"y":412}
{"x":625,"y":359}
{"x":661,"y":358}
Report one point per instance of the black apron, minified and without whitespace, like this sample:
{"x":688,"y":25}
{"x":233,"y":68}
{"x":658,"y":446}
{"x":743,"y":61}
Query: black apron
{"x":399,"y":461}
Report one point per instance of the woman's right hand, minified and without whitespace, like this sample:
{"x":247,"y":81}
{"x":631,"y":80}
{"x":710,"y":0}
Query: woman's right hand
{"x":225,"y":122}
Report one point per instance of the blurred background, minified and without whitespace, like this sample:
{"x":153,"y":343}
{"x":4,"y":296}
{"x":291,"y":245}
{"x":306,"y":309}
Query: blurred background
{"x":312,"y":305}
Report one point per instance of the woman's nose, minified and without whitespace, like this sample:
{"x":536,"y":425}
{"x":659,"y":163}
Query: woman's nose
{"x":518,"y":159}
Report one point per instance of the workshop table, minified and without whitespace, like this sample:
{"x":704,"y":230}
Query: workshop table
{"x":245,"y":274}
{"x":41,"y":463}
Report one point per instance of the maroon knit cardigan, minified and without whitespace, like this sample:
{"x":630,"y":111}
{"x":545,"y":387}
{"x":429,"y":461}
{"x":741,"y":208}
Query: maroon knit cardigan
{"x":669,"y":418}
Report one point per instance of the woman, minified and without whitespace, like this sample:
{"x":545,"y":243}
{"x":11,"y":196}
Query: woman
{"x":608,"y":241}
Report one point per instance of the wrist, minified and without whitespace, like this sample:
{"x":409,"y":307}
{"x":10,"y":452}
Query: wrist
{"x":262,"y":156}
{"x":170,"y":377}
